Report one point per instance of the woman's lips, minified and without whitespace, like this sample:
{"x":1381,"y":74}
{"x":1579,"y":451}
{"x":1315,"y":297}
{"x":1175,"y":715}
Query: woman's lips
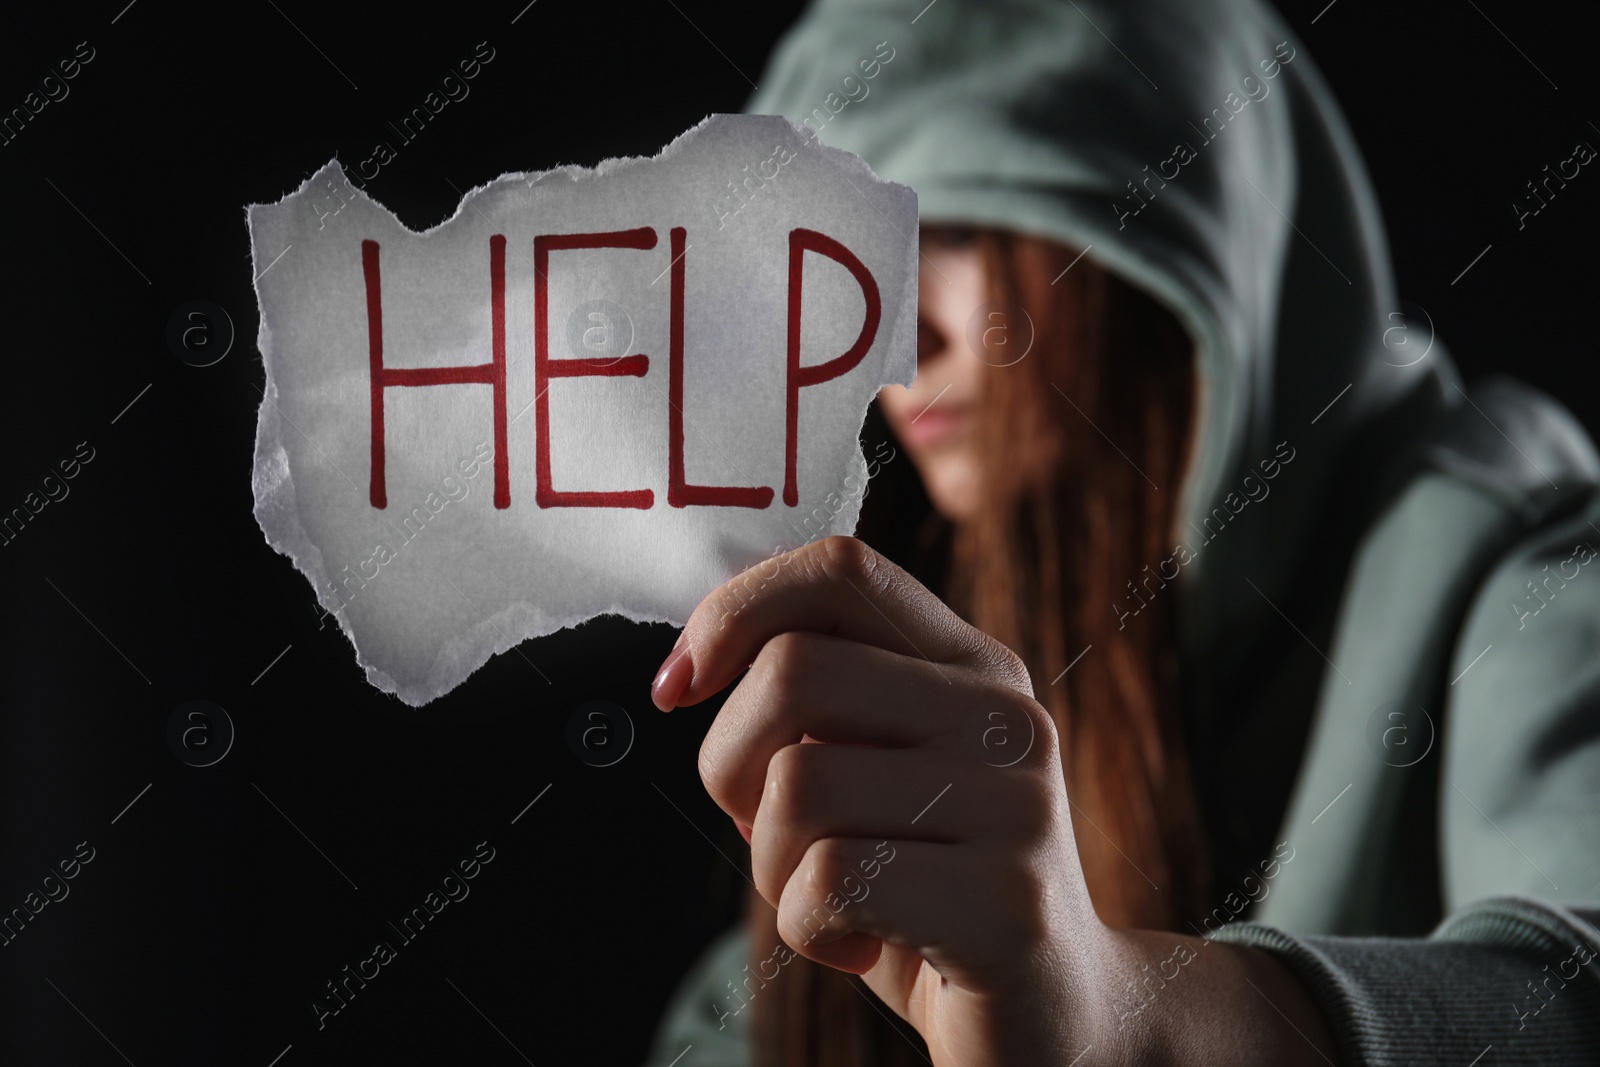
{"x":933,"y":426}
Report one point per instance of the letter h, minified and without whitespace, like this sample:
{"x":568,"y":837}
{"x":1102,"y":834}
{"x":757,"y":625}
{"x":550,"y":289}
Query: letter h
{"x":492,"y":373}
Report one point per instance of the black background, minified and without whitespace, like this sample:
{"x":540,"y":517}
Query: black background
{"x":218,"y":904}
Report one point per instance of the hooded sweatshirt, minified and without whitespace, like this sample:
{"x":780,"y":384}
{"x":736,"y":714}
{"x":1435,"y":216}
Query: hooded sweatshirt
{"x":1389,"y":624}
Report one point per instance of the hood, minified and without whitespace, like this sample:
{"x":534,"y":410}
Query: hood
{"x":1193,"y":148}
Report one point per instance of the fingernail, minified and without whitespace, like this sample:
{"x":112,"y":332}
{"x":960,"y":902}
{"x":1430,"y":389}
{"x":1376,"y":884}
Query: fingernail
{"x":744,"y":831}
{"x":673,"y":679}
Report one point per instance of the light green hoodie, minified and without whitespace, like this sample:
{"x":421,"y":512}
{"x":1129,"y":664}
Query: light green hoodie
{"x":1391,"y":643}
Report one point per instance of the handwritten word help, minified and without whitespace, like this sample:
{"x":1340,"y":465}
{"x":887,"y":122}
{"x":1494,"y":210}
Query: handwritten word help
{"x":654,"y":399}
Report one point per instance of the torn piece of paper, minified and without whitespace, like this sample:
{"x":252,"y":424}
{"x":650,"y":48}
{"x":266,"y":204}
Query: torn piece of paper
{"x":589,"y":391}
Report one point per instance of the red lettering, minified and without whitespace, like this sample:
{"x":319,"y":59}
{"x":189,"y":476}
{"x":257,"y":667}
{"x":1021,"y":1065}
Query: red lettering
{"x":679,"y":492}
{"x":800,"y":242}
{"x":545,"y":368}
{"x":492,"y":373}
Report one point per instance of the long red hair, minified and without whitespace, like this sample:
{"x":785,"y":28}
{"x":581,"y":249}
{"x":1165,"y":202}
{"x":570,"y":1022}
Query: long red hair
{"x":1083,"y":445}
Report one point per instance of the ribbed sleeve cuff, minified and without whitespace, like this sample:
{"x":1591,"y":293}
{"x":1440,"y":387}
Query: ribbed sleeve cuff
{"x":1509,"y":975}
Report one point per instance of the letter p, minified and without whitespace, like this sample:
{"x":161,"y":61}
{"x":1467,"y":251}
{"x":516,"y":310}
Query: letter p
{"x":800,"y":242}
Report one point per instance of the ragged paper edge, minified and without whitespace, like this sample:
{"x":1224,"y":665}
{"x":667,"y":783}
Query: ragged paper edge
{"x":272,"y":484}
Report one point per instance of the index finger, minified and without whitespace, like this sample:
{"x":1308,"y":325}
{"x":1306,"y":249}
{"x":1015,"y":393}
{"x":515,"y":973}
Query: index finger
{"x":837,"y":586}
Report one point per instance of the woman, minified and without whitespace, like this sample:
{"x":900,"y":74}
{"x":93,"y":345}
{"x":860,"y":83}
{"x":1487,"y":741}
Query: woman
{"x":1258,"y":721}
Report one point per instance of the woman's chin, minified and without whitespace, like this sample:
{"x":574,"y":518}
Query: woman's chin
{"x":952,"y":485}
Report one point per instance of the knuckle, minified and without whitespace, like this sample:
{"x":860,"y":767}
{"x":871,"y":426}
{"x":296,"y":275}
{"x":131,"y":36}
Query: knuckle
{"x":1045,"y":758}
{"x":1018,"y":707}
{"x":740,"y":592}
{"x":1034,"y":725}
{"x":1044,"y":723}
{"x":792,"y":783}
{"x":827,"y":864}
{"x":848,"y":558}
{"x":727,"y":602}
{"x":784,"y":663}
{"x":1011,"y":668}
{"x":715,"y":772}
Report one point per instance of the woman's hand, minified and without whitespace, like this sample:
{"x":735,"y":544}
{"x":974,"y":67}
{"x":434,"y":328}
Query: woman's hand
{"x":972,"y":921}
{"x":908,"y":819}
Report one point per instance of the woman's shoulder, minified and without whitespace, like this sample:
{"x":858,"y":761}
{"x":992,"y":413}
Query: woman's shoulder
{"x":1461,"y":725}
{"x":1514,"y":443}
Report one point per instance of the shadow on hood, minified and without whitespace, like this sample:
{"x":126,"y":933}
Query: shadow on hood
{"x":1194,"y":149}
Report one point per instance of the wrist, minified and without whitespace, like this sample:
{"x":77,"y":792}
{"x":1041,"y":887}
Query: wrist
{"x":1172,"y":1000}
{"x":1140,"y":1014}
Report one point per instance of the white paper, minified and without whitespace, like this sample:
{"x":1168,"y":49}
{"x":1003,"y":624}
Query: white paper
{"x":433,"y":583}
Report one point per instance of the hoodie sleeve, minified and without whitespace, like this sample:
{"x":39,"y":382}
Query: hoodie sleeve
{"x":1508,"y":977}
{"x":697,"y":1029}
{"x":1512,"y":968}
{"x":1519,"y":799}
